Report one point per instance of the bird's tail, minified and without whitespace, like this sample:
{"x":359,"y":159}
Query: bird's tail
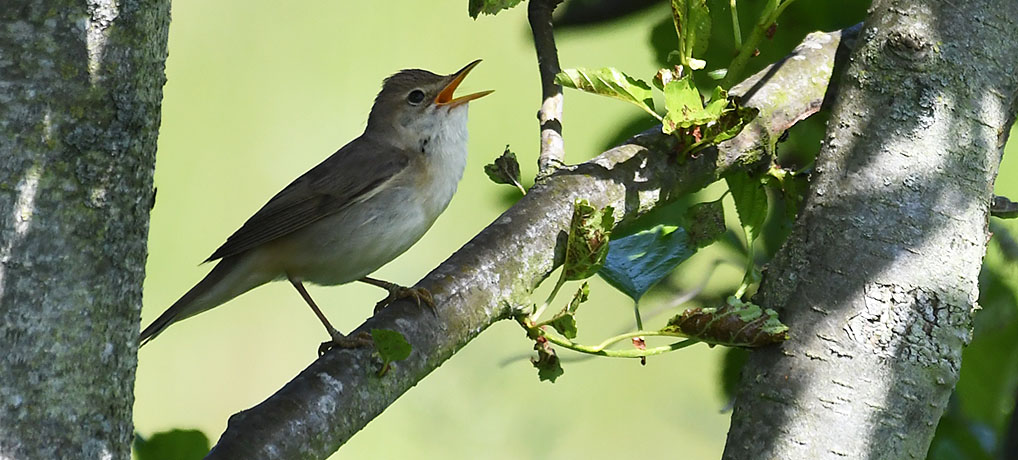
{"x":227,"y":280}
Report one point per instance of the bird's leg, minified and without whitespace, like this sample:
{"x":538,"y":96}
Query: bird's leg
{"x":338,"y":339}
{"x":396,"y":292}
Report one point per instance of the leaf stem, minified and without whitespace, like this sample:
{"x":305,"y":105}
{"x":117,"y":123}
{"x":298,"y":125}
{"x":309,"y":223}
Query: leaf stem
{"x":631,"y":353}
{"x":735,"y":25}
{"x":636,"y":310}
{"x":768,"y":16}
{"x":558,"y":285}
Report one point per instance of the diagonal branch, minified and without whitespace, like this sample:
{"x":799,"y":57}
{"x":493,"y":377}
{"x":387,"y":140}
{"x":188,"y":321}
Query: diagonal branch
{"x":550,"y":116}
{"x":338,"y":394}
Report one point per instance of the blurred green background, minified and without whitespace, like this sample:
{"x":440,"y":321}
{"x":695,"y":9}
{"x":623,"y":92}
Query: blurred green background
{"x":259,"y":92}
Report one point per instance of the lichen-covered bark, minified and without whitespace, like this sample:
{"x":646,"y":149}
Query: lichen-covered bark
{"x":878,"y":281}
{"x":496,"y":271}
{"x":80,"y":90}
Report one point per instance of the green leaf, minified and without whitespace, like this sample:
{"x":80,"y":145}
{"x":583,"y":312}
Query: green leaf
{"x":172,"y":445}
{"x":692,"y":25}
{"x":735,"y":324}
{"x":581,"y":296}
{"x":547,"y":363}
{"x":391,"y":345}
{"x":706,"y":223}
{"x":610,"y":82}
{"x":730,"y":123}
{"x":565,"y":324}
{"x":587,"y":244}
{"x":750,"y":203}
{"x":476,"y":7}
{"x":684,"y":105}
{"x":637,"y":262}
{"x":505,"y":169}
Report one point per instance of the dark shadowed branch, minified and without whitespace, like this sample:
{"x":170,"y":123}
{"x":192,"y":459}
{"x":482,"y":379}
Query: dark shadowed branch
{"x":496,"y":271}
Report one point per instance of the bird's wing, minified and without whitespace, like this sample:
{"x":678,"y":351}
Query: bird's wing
{"x":352,"y":174}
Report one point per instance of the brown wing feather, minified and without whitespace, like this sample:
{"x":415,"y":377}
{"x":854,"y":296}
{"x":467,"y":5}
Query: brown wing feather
{"x":343,"y":179}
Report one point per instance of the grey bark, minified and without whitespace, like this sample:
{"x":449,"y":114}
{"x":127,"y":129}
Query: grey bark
{"x":878,"y":282}
{"x":316,"y":412}
{"x":80,"y":90}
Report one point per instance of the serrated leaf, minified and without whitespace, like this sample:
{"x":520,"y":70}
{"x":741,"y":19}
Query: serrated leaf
{"x":750,"y":203}
{"x":735,"y":324}
{"x":476,"y":7}
{"x":565,"y":324}
{"x":581,"y":296}
{"x":505,"y":169}
{"x":611,"y":82}
{"x":391,"y":345}
{"x":706,"y":223}
{"x":587,"y":244}
{"x":733,"y":118}
{"x":547,"y":363}
{"x":637,"y":262}
{"x":684,"y":105}
{"x":172,"y":445}
{"x":693,"y":27}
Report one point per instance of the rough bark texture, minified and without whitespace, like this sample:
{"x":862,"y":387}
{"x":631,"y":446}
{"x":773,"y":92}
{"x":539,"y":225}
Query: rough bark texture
{"x":481,"y":283}
{"x":878,"y":281}
{"x":80,"y":90}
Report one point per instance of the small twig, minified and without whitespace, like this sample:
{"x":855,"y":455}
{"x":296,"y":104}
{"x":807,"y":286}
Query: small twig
{"x":1003,"y":208}
{"x":550,"y":116}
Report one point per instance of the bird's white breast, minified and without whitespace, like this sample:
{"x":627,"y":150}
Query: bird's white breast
{"x":446,"y":157}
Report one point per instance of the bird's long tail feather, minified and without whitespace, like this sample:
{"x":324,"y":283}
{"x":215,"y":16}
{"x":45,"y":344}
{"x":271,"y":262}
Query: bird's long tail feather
{"x":226,"y":281}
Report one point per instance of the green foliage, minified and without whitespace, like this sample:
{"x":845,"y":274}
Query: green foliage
{"x":692,"y":25}
{"x":391,"y":346}
{"x":735,"y":324}
{"x":705,"y":223}
{"x":610,"y":82}
{"x":587,"y":244}
{"x":565,"y":322}
{"x":637,"y":262}
{"x":685,"y":106}
{"x":476,"y":7}
{"x":750,"y":203}
{"x":505,"y":170}
{"x":172,"y":445}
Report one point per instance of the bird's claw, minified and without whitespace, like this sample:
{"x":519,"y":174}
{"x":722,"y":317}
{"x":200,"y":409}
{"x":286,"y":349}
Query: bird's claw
{"x":420,"y":295}
{"x":360,"y":340}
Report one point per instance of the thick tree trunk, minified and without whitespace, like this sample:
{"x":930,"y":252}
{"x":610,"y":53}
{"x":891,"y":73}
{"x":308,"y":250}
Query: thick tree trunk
{"x":80,"y":90}
{"x":878,"y":281}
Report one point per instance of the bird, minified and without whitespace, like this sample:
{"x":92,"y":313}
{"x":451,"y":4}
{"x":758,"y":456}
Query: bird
{"x":355,"y":211}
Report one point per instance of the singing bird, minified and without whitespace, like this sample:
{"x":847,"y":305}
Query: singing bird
{"x":354,"y":212}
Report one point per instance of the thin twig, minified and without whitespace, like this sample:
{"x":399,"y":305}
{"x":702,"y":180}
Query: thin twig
{"x":550,"y":116}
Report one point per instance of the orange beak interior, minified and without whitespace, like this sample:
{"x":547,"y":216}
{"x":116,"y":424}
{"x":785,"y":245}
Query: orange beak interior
{"x":445,"y":98}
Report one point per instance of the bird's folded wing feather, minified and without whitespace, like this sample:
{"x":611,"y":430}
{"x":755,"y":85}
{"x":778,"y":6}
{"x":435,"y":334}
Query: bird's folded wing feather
{"x":351,"y":175}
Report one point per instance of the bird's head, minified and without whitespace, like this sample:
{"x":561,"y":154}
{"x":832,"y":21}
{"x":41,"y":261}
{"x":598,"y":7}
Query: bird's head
{"x":416,"y":103}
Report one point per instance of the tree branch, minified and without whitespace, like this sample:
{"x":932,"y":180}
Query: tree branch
{"x":550,"y":116}
{"x":494,"y":273}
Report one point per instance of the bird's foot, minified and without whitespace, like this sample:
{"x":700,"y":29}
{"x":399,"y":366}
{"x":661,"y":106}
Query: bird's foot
{"x":360,"y":340}
{"x":396,"y":292}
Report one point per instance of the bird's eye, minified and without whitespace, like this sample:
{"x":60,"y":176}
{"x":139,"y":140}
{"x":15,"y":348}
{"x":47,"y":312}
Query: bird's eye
{"x":415,"y":97}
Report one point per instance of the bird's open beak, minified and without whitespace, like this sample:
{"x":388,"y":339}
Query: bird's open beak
{"x":445,"y":98}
